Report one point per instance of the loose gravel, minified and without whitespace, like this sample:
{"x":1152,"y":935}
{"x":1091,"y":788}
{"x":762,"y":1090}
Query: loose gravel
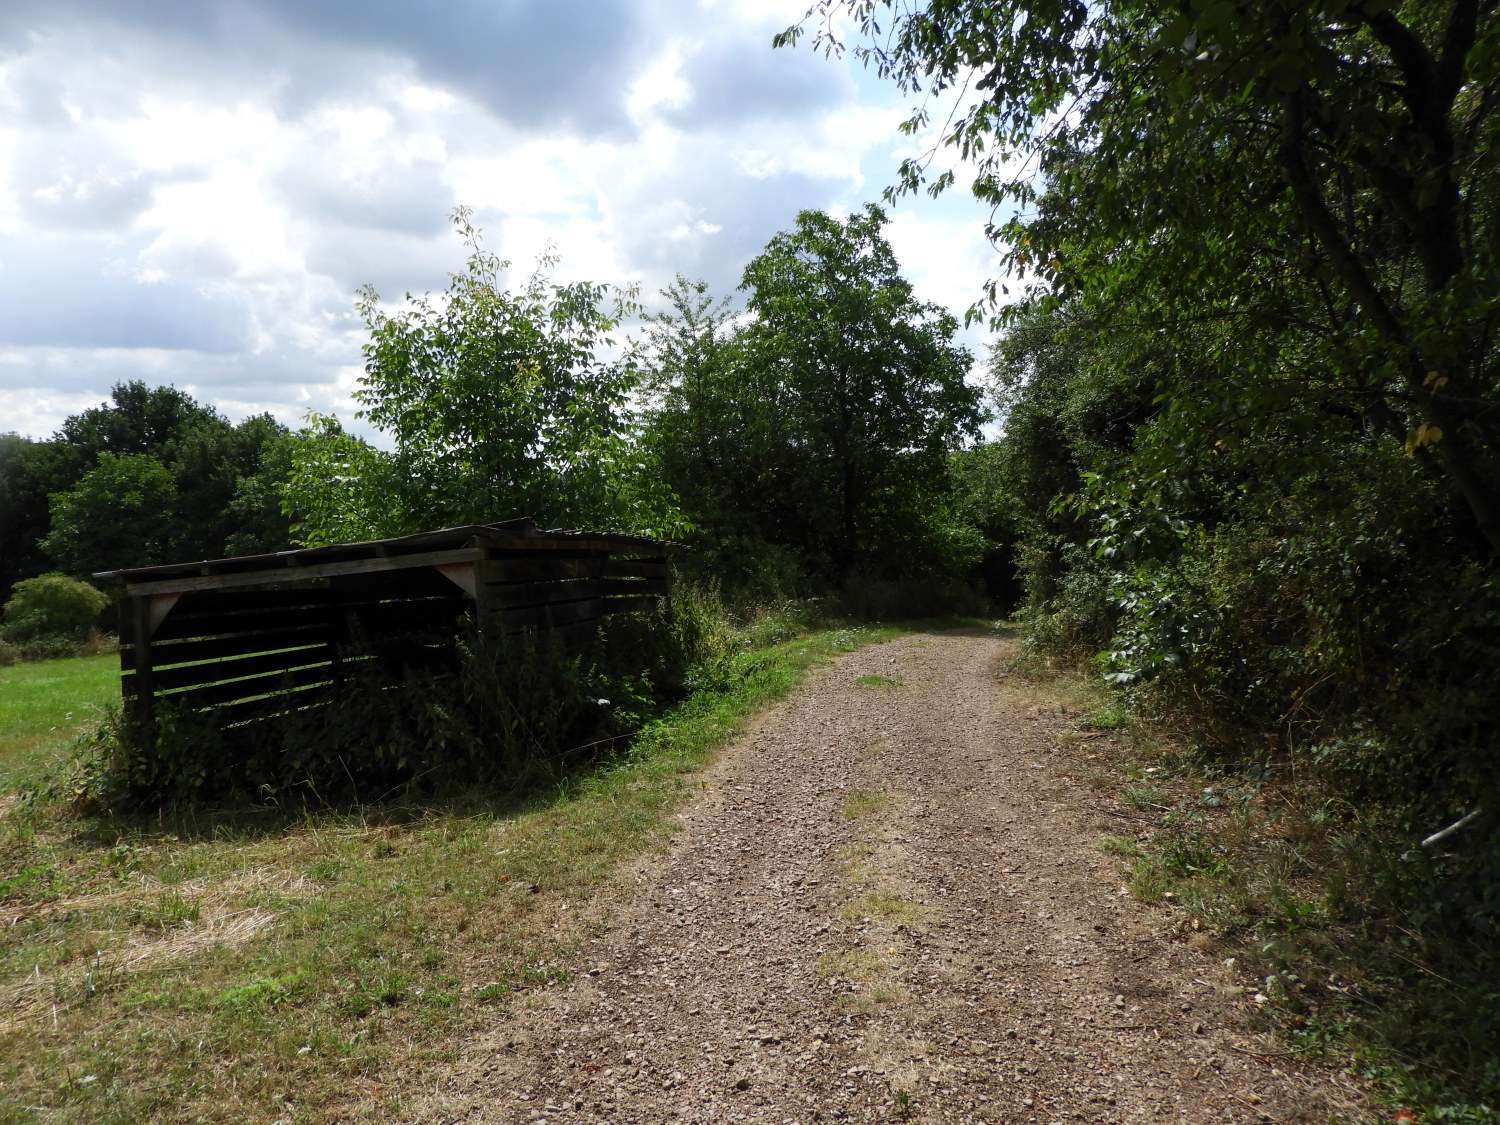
{"x":888,"y":903}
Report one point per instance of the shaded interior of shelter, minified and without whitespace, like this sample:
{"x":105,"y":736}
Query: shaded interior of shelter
{"x":245,"y":639}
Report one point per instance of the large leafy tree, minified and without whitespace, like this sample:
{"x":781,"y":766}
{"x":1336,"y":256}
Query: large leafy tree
{"x":824,"y":422}
{"x":205,"y":459}
{"x":499,"y":403}
{"x":120,"y":515}
{"x":1224,"y":170}
{"x":869,"y":376}
{"x":25,"y":467}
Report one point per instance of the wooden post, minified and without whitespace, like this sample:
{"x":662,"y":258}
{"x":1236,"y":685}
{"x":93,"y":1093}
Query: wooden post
{"x":140,"y":618}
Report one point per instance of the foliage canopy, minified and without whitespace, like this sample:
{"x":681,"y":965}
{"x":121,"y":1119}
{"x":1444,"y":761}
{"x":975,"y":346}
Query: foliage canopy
{"x":1226,"y":168}
{"x":499,"y":402}
{"x":821,"y":424}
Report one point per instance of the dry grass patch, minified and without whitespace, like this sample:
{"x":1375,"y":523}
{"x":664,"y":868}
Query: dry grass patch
{"x":855,"y":964}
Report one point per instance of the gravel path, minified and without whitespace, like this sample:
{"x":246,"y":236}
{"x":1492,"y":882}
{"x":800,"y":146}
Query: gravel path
{"x":887,"y":904}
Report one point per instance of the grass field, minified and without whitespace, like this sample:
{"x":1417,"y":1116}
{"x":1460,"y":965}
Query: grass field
{"x":43,"y":707}
{"x":307,"y":965}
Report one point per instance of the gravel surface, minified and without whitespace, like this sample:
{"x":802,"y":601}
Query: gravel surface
{"x":887,"y":903}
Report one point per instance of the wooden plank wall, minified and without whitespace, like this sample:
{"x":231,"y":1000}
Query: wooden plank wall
{"x":245,"y":652}
{"x":571,"y":591}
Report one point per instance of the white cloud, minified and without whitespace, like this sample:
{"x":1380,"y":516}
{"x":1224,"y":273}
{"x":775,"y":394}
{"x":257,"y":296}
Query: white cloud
{"x":193,"y":193}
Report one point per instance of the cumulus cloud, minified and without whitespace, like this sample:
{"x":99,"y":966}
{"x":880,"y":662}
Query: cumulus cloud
{"x":192,"y":193}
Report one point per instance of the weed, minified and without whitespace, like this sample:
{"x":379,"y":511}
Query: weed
{"x":168,"y":911}
{"x":886,"y":906}
{"x":1104,"y":718}
{"x":1143,"y":798}
{"x":879,"y":682}
{"x":902,"y":1108}
{"x":1147,"y":881}
{"x":865,"y":802}
{"x":1125,"y":849}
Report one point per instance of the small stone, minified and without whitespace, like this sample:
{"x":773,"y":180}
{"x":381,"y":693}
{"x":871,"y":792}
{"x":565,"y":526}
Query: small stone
{"x":742,"y":1084}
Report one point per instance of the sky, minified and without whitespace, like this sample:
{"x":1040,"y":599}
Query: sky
{"x":192,"y":193}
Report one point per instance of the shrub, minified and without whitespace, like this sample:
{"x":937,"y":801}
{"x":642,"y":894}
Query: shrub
{"x":51,"y":606}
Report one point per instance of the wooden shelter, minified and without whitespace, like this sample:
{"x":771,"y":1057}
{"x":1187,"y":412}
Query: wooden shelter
{"x":240,"y":638}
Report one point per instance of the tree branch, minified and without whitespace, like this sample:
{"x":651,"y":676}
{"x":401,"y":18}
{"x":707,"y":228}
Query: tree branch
{"x":1321,"y":222}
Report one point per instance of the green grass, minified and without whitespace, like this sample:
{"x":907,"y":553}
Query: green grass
{"x":316,"y":964}
{"x":863,"y":802}
{"x":44,"y":705}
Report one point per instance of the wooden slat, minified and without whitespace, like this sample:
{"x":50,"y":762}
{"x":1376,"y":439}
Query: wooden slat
{"x":176,"y":628}
{"x":240,"y":601}
{"x":394,"y":616}
{"x":520,"y":594}
{"x":562,"y":613}
{"x":241,"y":689}
{"x":435,"y":614}
{"x":419,"y":582}
{"x":214,"y":671}
{"x":637,"y":568}
{"x":209,"y":625}
{"x":241,"y":644}
{"x":535,"y":569}
{"x":517,"y":595}
{"x":269,"y":707}
{"x":300,"y":573}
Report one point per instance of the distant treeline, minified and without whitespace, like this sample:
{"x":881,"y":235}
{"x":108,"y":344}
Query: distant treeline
{"x":151,"y":476}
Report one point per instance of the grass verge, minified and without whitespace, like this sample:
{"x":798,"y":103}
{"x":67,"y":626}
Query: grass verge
{"x":312,"y":965}
{"x":1311,"y":898}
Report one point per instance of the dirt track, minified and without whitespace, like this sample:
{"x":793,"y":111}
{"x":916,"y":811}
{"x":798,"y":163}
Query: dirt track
{"x":887,"y":904}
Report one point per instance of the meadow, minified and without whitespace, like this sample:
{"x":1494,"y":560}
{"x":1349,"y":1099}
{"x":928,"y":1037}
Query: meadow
{"x":44,"y":706}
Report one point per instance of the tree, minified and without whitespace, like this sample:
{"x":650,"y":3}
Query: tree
{"x":871,"y":383}
{"x":501,"y":404}
{"x":339,"y":488}
{"x":138,"y":419}
{"x":25,"y":468}
{"x":1234,"y":167}
{"x":119,"y":516}
{"x":214,"y":465}
{"x":824,"y":423}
